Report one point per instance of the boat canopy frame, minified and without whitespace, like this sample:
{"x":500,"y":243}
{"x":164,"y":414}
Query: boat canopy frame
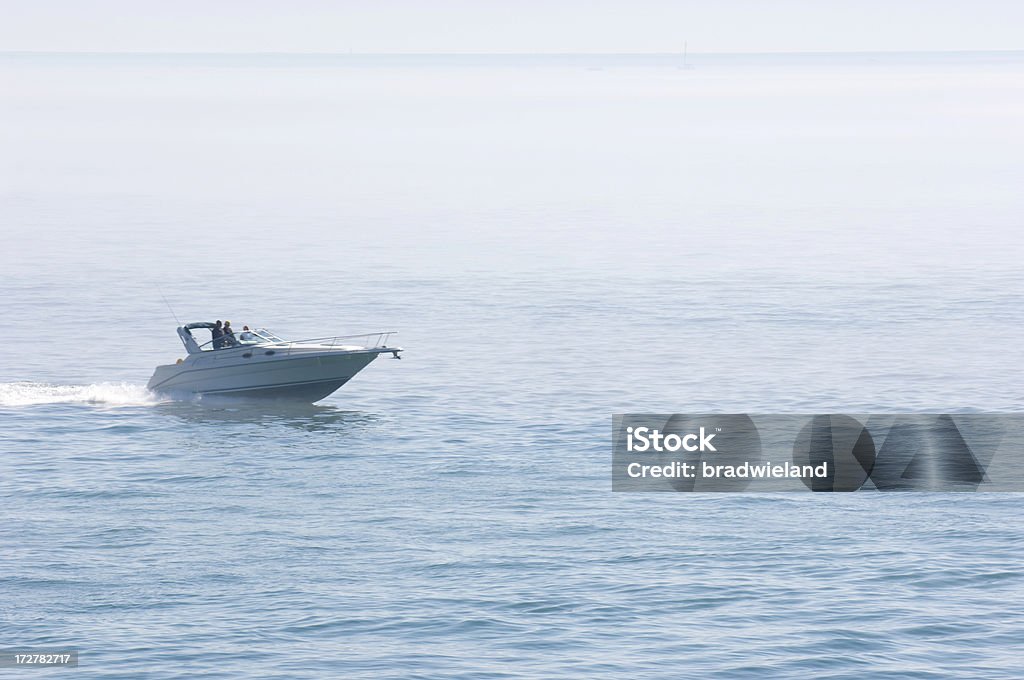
{"x":261,"y":337}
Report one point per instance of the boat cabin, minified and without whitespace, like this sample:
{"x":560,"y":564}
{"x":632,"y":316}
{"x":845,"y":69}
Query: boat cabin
{"x":206,"y":343}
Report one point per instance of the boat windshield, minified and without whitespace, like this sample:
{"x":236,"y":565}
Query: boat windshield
{"x":267,"y":335}
{"x":260,"y":336}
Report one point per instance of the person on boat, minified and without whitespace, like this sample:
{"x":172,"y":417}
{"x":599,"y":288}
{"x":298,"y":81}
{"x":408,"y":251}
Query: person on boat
{"x":229,"y":335}
{"x":246,"y":335}
{"x":218,"y":335}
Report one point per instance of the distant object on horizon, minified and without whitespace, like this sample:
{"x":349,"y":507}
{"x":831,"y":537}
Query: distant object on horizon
{"x":259,"y":364}
{"x":685,"y":66}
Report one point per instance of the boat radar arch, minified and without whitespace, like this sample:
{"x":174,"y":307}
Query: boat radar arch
{"x":185,"y":333}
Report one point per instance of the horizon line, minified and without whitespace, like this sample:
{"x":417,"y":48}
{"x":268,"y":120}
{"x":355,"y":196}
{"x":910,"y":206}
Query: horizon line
{"x":491,"y":54}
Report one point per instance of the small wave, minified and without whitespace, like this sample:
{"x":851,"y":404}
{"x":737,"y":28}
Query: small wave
{"x":108,"y":394}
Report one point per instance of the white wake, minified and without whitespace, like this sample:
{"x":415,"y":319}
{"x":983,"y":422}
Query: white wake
{"x":108,"y":394}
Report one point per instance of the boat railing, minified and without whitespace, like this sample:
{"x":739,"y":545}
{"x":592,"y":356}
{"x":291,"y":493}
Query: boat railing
{"x":266,"y":340}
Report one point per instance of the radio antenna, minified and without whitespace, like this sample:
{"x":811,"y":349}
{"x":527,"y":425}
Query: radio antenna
{"x":168,"y":304}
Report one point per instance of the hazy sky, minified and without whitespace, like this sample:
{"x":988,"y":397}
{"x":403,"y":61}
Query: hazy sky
{"x":510,"y":26}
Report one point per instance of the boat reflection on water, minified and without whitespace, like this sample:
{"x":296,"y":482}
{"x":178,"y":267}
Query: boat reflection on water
{"x":231,"y":411}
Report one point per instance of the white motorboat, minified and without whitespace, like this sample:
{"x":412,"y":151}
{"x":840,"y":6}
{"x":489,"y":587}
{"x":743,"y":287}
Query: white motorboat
{"x":260,"y":364}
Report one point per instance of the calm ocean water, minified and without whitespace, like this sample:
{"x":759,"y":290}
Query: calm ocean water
{"x":556,"y":241}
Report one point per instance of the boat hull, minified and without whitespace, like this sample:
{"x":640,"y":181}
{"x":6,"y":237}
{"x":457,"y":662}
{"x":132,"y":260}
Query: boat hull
{"x":298,"y":376}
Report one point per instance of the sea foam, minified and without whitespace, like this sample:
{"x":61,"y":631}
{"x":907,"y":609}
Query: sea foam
{"x":107,"y":394}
